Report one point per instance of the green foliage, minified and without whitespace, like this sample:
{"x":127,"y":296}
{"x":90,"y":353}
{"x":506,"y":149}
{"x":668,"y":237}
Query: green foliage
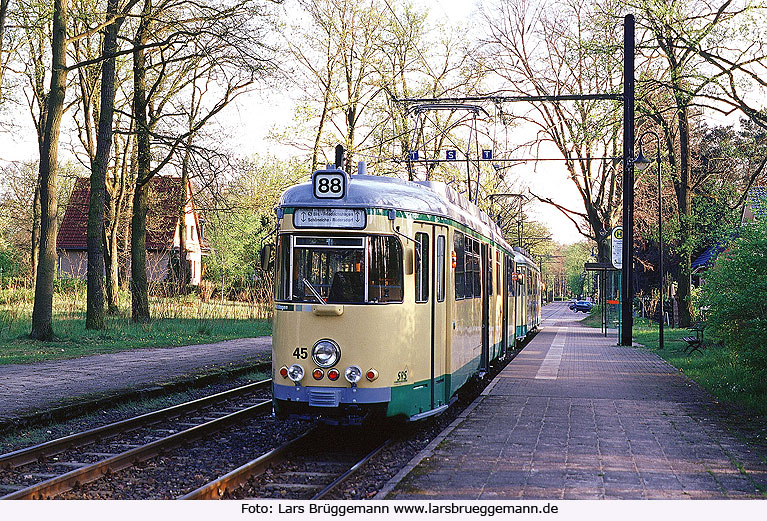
{"x":576,"y":255}
{"x":237,"y":234}
{"x":735,"y":295}
{"x":718,"y":369}
{"x":10,"y":261}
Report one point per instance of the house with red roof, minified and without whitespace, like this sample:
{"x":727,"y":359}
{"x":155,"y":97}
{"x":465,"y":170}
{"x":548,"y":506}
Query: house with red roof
{"x":162,"y":235}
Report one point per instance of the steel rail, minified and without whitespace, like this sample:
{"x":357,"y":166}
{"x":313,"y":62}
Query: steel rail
{"x":225,"y":484}
{"x":346,"y":475}
{"x":92,"y":472}
{"x":36,"y":452}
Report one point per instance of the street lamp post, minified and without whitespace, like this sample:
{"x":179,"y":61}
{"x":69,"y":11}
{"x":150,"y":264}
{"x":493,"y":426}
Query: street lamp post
{"x":641,"y":163}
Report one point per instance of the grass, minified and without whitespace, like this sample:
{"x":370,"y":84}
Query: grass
{"x":177,"y":321}
{"x":717,"y":369}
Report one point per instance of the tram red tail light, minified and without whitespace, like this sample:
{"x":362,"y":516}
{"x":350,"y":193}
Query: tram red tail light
{"x":318,"y":374}
{"x":333,"y":374}
{"x":371,"y":375}
{"x":455,"y":262}
{"x":284,"y":371}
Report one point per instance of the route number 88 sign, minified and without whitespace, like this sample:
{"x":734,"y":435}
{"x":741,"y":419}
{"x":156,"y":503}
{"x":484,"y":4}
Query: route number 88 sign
{"x":329,"y":184}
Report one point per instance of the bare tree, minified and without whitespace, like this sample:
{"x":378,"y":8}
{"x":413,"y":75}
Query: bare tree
{"x":568,"y":48}
{"x":94,"y":318}
{"x":3,"y":60}
{"x":337,"y":59}
{"x":42,"y":313}
{"x":699,"y":57}
{"x":228,"y":51}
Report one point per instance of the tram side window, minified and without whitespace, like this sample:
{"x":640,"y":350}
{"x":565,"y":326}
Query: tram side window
{"x":489,"y":269}
{"x":422,"y":267}
{"x":458,"y":246}
{"x":440,"y":275}
{"x":529,"y":279}
{"x":476,"y":275}
{"x":498,"y":271}
{"x":282,"y":291}
{"x":385,"y":271}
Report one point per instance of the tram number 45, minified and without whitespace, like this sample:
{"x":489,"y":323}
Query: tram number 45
{"x":301,"y":353}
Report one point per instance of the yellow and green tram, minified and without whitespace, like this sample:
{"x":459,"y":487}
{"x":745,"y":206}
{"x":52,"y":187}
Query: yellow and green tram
{"x":389,"y":296}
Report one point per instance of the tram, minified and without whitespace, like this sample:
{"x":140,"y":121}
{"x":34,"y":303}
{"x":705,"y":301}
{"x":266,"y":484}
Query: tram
{"x":389,"y":296}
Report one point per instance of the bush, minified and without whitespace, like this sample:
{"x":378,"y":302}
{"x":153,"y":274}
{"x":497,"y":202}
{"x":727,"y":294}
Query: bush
{"x":735,"y":294}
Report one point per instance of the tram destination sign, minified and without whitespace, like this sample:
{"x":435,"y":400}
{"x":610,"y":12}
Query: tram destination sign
{"x":349,"y":218}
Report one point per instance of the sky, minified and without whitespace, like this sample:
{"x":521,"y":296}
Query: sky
{"x":251,"y":123}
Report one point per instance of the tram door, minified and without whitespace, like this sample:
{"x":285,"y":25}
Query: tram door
{"x":486,"y":281}
{"x":439,"y":331}
{"x":430,"y":314}
{"x":504,"y":291}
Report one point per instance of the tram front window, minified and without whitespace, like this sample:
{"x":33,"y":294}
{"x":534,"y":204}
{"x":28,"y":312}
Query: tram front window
{"x":334,"y":268}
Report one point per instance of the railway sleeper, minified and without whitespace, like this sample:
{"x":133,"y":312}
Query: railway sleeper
{"x":296,"y":487}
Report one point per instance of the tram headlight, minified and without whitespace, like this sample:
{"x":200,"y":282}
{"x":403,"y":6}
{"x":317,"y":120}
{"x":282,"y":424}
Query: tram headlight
{"x":326,"y":353}
{"x":353,"y":374}
{"x":296,"y":373}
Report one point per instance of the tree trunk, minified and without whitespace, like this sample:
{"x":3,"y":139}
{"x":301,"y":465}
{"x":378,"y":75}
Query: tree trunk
{"x":36,"y":232}
{"x":184,"y":270}
{"x":111,"y":251}
{"x":111,"y":273}
{"x":684,"y":200}
{"x":139,"y":285}
{"x":42,"y":313}
{"x":94,"y":317}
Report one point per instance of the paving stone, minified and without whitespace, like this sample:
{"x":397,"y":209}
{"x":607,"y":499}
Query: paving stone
{"x":615,"y":423}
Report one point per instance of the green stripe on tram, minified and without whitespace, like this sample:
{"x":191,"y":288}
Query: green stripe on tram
{"x":447,"y":221}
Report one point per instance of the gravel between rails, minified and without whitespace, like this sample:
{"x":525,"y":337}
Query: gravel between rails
{"x":184,"y":469}
{"x":187,"y":468}
{"x":27,"y":436}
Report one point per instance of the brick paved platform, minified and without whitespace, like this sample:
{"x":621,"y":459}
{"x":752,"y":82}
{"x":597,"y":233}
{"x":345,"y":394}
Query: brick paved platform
{"x":575,"y":416}
{"x":32,"y":387}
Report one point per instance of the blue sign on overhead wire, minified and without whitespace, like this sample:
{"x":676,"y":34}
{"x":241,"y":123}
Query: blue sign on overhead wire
{"x":487,"y":154}
{"x":450,"y":155}
{"x":413,"y":154}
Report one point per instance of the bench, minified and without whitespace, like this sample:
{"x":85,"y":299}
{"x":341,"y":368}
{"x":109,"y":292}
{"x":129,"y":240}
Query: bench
{"x":694,"y":343}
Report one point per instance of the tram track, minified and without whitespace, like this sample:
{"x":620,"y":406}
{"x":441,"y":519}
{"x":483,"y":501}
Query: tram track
{"x":94,"y":453}
{"x":298,"y":469}
{"x":321,"y":463}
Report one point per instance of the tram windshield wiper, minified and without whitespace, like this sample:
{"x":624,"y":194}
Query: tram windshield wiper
{"x":314,"y":292}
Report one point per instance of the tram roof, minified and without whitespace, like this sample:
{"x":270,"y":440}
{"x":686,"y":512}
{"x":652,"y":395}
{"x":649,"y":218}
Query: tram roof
{"x":428,"y":197}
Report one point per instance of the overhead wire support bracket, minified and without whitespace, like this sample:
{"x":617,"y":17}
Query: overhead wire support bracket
{"x":424,"y":107}
{"x":511,"y":99}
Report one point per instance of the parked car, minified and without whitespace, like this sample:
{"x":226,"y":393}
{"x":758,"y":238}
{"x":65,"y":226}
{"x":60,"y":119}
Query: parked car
{"x":581,"y":305}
